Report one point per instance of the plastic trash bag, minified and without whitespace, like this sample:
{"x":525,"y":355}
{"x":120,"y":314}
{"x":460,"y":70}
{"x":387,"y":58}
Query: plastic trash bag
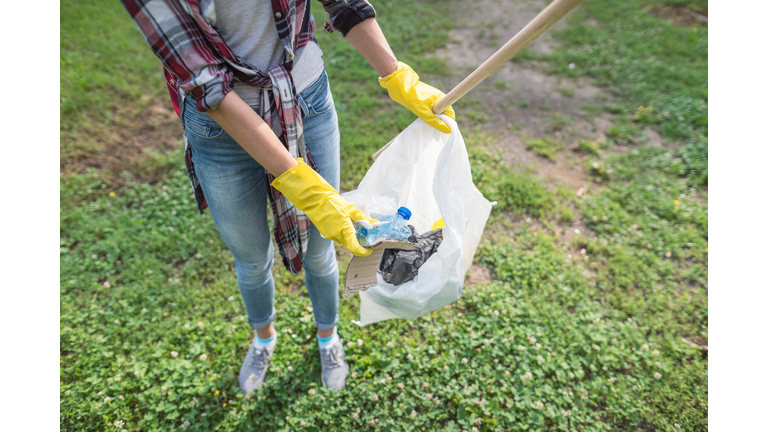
{"x":428,"y":172}
{"x":372,"y":205}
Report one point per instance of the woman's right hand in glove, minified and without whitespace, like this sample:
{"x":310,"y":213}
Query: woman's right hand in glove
{"x":331,"y":214}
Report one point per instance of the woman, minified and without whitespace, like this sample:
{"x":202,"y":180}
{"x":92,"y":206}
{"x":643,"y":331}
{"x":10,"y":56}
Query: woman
{"x":248,"y":81}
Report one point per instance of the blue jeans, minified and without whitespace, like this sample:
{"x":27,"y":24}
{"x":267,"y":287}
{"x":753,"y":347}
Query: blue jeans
{"x":235,"y":187}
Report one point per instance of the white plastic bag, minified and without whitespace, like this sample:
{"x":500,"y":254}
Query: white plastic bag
{"x":428,"y":172}
{"x":373,"y":205}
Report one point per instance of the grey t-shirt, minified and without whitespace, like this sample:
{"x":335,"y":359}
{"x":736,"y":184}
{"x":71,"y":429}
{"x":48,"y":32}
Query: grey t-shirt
{"x":248,"y":27}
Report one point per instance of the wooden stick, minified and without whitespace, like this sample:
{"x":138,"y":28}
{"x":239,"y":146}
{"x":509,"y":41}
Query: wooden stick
{"x":544,"y":20}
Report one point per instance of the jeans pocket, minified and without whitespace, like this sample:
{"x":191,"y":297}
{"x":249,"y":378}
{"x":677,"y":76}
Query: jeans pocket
{"x":202,"y":128}
{"x":317,"y":97}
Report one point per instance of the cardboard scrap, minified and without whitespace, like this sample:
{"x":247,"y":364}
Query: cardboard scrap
{"x":361,"y":271}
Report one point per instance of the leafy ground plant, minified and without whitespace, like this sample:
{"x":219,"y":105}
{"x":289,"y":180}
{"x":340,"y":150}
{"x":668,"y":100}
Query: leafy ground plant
{"x":546,"y":146}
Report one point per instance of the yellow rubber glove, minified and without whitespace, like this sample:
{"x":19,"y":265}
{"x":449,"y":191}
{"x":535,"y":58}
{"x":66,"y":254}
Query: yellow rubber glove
{"x":405,"y":88}
{"x":331,"y":214}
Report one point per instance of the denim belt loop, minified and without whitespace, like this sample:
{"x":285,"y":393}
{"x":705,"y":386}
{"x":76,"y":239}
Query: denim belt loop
{"x":303,"y":105}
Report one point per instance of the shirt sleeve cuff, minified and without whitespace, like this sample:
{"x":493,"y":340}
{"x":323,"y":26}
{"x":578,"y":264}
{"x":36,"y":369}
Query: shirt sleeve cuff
{"x":209,"y":95}
{"x":355,"y":13}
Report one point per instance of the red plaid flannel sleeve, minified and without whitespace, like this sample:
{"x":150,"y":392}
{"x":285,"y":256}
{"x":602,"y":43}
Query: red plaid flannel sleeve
{"x":175,"y":36}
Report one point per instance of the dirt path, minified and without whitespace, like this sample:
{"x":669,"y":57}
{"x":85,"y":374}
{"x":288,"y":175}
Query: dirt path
{"x":140,"y":143}
{"x":520,"y":102}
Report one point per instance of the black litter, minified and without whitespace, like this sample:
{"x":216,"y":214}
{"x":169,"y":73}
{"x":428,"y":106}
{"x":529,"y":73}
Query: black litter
{"x":398,"y":266}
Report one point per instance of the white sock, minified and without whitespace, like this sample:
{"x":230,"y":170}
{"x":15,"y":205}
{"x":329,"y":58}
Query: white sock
{"x":265,"y":343}
{"x":326,"y":342}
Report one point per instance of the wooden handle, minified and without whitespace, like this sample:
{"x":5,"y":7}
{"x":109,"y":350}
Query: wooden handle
{"x":544,"y":20}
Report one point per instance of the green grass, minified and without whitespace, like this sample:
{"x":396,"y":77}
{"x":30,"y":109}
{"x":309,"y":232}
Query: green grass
{"x":697,"y":5}
{"x":623,"y":132}
{"x":143,"y":276}
{"x":546,"y":147}
{"x":107,"y":72}
{"x":104,"y":61}
{"x":170,"y":286}
{"x":517,"y":194}
{"x":645,"y":62}
{"x":567,"y":91}
{"x":589,"y":147}
{"x":558,"y":123}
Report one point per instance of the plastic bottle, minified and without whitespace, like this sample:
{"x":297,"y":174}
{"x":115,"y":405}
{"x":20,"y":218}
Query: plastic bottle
{"x":389,"y":227}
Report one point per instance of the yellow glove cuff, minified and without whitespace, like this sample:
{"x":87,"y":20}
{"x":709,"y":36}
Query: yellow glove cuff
{"x":300,"y":171}
{"x":303,"y":186}
{"x":401,"y":67}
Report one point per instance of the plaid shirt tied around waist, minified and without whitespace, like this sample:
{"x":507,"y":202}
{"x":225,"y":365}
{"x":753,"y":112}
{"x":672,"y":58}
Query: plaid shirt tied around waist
{"x":197,"y":62}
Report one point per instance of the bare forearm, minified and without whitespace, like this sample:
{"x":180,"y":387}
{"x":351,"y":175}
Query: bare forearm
{"x":256,"y":137}
{"x":368,"y":39}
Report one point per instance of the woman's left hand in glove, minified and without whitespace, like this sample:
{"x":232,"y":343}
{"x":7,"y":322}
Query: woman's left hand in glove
{"x":405,"y":88}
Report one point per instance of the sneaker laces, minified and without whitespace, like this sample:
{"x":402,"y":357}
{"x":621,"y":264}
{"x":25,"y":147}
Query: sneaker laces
{"x":331,"y":357}
{"x":259,"y":358}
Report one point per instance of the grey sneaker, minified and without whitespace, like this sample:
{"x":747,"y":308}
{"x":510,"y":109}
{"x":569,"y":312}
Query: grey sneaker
{"x":254,"y":368}
{"x":335,"y":368}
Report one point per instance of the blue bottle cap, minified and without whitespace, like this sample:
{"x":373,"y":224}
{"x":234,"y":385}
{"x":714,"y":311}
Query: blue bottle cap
{"x":404,"y":212}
